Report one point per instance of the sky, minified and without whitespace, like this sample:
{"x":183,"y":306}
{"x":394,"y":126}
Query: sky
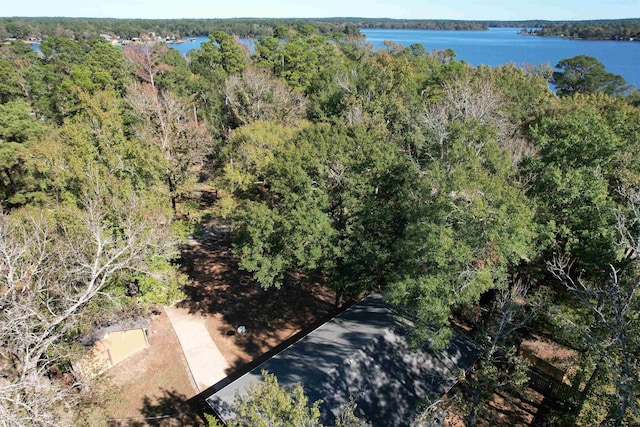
{"x":415,"y":9}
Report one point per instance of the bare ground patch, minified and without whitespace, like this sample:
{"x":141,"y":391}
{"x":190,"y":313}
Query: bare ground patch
{"x":153,"y":383}
{"x":228,"y":299}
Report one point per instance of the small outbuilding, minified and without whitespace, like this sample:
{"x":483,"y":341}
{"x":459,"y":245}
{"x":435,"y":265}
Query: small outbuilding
{"x":361,"y":354}
{"x":112,"y":344}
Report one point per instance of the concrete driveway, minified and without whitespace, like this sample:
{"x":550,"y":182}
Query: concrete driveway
{"x":206,"y":363}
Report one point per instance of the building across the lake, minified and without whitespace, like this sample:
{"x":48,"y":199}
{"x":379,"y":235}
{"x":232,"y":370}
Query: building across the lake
{"x":361,"y":354}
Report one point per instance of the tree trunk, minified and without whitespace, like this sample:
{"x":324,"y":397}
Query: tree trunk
{"x":471,"y":419}
{"x":587,"y":388}
{"x":172,"y":193}
{"x":339,"y":296}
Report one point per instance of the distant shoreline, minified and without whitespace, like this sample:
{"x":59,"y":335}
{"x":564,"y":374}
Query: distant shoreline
{"x":182,"y":30}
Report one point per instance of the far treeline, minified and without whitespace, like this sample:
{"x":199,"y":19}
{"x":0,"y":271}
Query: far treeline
{"x":619,"y":29}
{"x":467,"y":196}
{"x":20,"y":27}
{"x":180,"y":28}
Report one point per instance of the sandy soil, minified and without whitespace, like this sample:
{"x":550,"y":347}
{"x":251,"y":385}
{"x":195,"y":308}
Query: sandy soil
{"x":559,"y":357}
{"x":229,"y":299}
{"x":504,"y":409}
{"x":153,"y":382}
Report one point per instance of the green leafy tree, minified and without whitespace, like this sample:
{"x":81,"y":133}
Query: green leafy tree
{"x":583,"y":167}
{"x":92,"y":143}
{"x":68,"y":68}
{"x":222,"y":54}
{"x":270,"y":404}
{"x":327,"y":200}
{"x":15,"y":59}
{"x":472,"y":223}
{"x":11,"y":86}
{"x":18,"y":128}
{"x":585,"y":74}
{"x":634,"y":98}
{"x":380,"y":90}
{"x":282,"y":224}
{"x":609,"y":332}
{"x":219,"y":57}
{"x":585,"y":146}
{"x":474,"y":226}
{"x":178,"y":78}
{"x":304,"y":62}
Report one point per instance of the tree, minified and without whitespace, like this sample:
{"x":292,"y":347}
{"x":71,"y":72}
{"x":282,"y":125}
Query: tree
{"x":268,"y":404}
{"x":178,"y":78}
{"x":379,"y":90}
{"x":60,"y":166}
{"x":146,"y":60}
{"x":218,"y":58}
{"x":499,"y":366}
{"x":304,"y":62}
{"x":282,"y":223}
{"x":472,"y":223}
{"x":68,"y":68}
{"x":585,"y":74}
{"x":11,"y":86}
{"x":463,"y":97}
{"x":17,"y":57}
{"x":610,"y":333}
{"x":170,"y":125}
{"x":17,"y":130}
{"x":53,"y":264}
{"x":327,"y":200}
{"x":221,"y":55}
{"x":584,"y":147}
{"x":634,"y":98}
{"x":256,"y":95}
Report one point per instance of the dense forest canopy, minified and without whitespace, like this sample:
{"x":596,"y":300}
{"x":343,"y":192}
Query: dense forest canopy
{"x":473,"y":196}
{"x":22,"y":27}
{"x":243,"y":27}
{"x":620,"y":29}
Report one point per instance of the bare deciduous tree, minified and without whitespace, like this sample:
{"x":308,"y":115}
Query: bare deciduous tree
{"x":476,"y":99}
{"x":256,"y":95}
{"x":168,"y":123}
{"x":614,"y":304}
{"x":51,"y":266}
{"x":145,"y":60}
{"x":499,"y":365}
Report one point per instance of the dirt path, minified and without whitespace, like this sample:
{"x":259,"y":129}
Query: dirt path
{"x":206,"y":363}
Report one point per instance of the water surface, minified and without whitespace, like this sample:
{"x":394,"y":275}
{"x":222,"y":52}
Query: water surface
{"x":499,"y":46}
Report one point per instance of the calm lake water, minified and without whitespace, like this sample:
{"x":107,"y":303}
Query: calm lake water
{"x":499,"y":46}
